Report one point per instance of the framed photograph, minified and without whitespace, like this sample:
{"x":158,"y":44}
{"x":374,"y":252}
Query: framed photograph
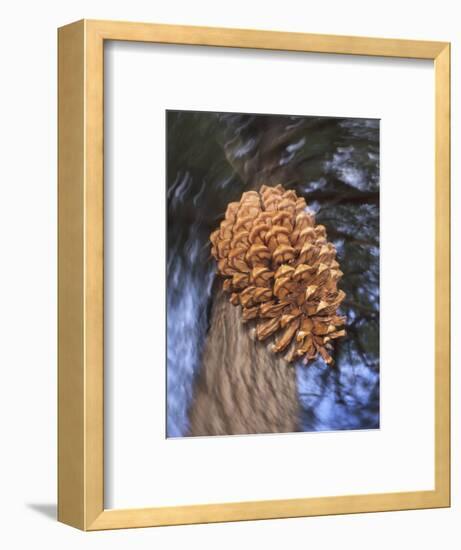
{"x":254,"y":306}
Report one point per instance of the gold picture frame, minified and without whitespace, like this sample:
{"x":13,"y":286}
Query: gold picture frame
{"x":81,"y":265}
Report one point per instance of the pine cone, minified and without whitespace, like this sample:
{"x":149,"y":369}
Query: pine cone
{"x":278,"y":265}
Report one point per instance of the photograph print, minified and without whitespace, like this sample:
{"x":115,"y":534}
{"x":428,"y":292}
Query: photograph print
{"x":272,"y":298}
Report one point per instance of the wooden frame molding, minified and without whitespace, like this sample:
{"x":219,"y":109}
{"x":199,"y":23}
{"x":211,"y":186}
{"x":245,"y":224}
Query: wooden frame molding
{"x":81,"y":265}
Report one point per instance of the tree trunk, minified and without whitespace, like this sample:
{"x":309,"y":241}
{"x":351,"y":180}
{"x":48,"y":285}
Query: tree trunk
{"x":242,"y":387}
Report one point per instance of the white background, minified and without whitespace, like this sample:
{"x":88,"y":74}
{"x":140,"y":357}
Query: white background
{"x":28,"y":290}
{"x":143,"y":468}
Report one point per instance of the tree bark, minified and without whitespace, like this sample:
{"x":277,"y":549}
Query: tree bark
{"x":242,"y":387}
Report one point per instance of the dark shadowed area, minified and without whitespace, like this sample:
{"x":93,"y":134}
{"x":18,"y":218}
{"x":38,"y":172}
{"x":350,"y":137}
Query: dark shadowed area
{"x":334,"y":164}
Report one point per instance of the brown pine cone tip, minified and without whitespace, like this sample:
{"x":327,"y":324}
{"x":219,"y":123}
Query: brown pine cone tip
{"x":279,"y":266}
